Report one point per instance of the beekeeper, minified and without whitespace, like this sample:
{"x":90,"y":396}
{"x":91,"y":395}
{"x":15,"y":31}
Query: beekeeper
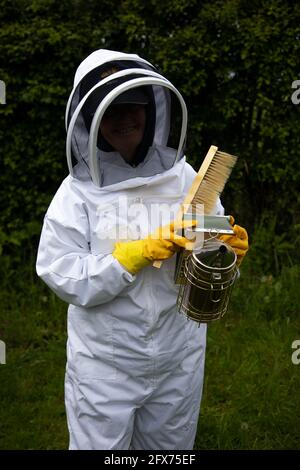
{"x":135,"y":366}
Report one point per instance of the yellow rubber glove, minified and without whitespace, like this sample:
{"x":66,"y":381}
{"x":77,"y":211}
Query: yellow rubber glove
{"x":162,"y":244}
{"x":238,"y":241}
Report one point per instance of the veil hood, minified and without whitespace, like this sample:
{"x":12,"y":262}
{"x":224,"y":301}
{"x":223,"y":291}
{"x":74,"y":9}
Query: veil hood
{"x":100,"y":79}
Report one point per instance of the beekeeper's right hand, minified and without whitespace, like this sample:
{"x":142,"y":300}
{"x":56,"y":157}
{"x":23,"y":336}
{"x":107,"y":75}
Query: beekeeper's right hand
{"x":162,"y":244}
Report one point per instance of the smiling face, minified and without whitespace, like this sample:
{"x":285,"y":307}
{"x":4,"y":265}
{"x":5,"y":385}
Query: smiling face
{"x":123,"y":127}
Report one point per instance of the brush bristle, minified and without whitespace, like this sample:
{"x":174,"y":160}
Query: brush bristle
{"x":214,"y":181}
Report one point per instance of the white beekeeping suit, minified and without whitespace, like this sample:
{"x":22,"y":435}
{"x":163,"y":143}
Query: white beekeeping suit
{"x":134,"y":364}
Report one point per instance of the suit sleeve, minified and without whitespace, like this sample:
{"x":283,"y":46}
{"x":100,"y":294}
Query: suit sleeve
{"x":65,"y":262}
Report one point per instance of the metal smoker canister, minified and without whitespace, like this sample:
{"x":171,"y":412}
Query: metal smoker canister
{"x":209,"y":274}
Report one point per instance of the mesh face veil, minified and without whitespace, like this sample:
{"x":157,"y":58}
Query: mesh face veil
{"x":108,"y":77}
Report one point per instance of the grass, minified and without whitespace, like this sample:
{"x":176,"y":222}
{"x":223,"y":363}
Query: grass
{"x":251,"y":386}
{"x":33,"y":325}
{"x":250,"y":398}
{"x":32,"y":410}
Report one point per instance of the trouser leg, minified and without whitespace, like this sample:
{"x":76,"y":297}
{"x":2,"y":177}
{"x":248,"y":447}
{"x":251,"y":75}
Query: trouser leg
{"x":168,"y":419}
{"x":96,"y":421}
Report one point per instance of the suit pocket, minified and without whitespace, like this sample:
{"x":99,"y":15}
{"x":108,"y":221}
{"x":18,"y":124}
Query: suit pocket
{"x":90,"y":343}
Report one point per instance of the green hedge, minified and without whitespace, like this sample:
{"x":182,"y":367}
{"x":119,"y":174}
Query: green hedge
{"x":234,"y":62}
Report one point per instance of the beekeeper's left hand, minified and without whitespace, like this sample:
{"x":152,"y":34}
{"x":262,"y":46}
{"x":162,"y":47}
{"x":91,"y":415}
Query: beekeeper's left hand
{"x":238,"y":241}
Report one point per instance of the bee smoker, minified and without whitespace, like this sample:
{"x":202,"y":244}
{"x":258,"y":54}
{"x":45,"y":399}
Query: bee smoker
{"x":207,"y":277}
